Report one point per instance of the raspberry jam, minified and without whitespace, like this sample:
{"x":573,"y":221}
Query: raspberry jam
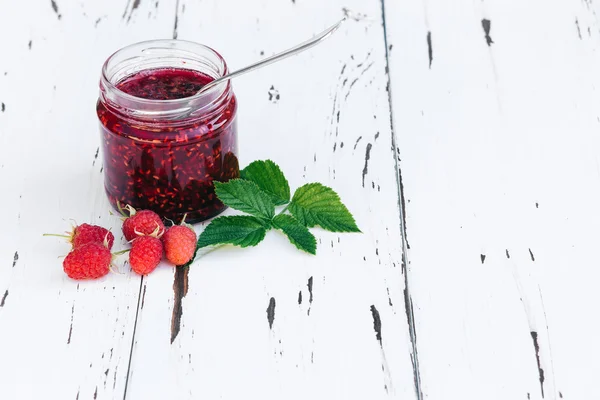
{"x":164,"y":144}
{"x":164,"y":83}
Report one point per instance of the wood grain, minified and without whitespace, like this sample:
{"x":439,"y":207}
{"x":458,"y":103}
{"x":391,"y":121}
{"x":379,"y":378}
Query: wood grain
{"x":60,"y":339}
{"x":463,"y":136}
{"x":270,"y":322}
{"x":267,"y":322}
{"x":496,"y":113}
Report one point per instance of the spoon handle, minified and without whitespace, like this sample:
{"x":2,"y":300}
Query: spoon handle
{"x":279,"y":56}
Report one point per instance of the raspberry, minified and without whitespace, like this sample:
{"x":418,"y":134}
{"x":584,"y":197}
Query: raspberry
{"x":142,"y":222}
{"x":145,"y":255}
{"x":88,"y":261}
{"x":180,"y":244}
{"x":86,"y":233}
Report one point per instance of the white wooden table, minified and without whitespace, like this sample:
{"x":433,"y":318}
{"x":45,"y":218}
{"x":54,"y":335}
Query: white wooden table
{"x":463,"y":135}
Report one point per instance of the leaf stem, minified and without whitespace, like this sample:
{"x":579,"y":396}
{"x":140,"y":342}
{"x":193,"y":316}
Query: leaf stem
{"x":285,"y":209}
{"x":54,"y":234}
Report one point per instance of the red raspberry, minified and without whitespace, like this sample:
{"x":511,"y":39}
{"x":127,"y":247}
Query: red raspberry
{"x":180,"y":244}
{"x":143,"y":222}
{"x":86,"y":233}
{"x":88,"y":261}
{"x":145,"y":255}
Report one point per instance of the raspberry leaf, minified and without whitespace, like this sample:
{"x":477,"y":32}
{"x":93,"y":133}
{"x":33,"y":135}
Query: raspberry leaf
{"x":315,"y":204}
{"x":239,"y":230}
{"x":245,"y":196}
{"x":268,"y":177}
{"x":296,"y":232}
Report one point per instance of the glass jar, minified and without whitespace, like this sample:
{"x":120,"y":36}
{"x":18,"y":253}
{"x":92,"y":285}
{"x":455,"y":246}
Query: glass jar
{"x":164,"y":144}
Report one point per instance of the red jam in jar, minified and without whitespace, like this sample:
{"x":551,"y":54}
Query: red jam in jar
{"x":164,"y":144}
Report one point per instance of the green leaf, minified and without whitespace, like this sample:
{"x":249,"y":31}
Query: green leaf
{"x":315,"y":204}
{"x":239,"y":230}
{"x":298,"y":234}
{"x":270,"y":179}
{"x":245,"y":196}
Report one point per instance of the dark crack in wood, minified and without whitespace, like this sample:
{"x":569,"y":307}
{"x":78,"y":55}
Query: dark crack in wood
{"x":3,"y":301}
{"x":355,"y":81}
{"x":137,"y":313}
{"x":429,"y":48}
{"x":143,"y":297}
{"x":180,"y":289}
{"x":271,"y":312}
{"x":15,"y":259}
{"x":274,"y":95}
{"x":55,"y":8}
{"x":405,"y":244}
{"x":71,"y":326}
{"x":376,"y":324}
{"x":414,"y":356}
{"x":136,"y":4}
{"x":487,"y":26}
{"x":536,"y":346}
{"x":365,"y":170}
{"x":126,"y":8}
{"x":176,"y":19}
{"x":309,"y":285}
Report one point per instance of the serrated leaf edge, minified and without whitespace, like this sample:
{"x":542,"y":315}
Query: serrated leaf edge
{"x":278,"y":201}
{"x":295,"y":208}
{"x":267,"y":196}
{"x":295,"y":243}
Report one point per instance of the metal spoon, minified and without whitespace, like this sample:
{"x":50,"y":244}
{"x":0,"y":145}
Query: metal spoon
{"x":279,"y":56}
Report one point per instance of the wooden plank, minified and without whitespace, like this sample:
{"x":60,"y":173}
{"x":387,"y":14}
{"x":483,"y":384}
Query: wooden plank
{"x":496,"y":113}
{"x":271,"y":322}
{"x":60,"y":339}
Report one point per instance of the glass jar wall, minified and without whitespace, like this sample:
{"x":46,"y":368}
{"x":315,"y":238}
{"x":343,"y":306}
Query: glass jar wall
{"x":164,"y":144}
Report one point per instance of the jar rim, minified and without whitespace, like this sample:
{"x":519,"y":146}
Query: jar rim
{"x":197,"y":102}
